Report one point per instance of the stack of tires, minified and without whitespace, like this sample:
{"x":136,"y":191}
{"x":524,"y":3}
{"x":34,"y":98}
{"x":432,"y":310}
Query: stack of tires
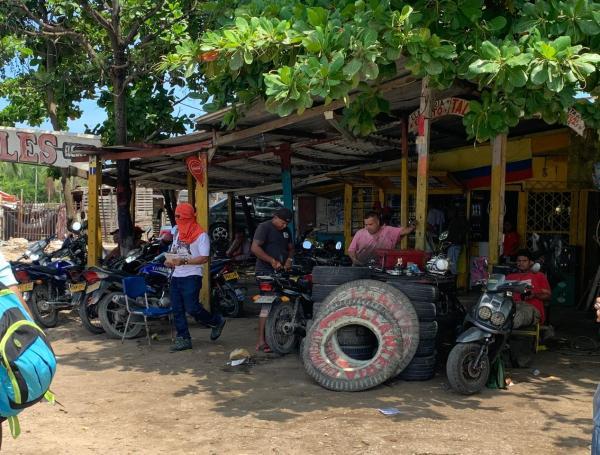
{"x":327,"y":279}
{"x":364,"y":332}
{"x":423,"y":297}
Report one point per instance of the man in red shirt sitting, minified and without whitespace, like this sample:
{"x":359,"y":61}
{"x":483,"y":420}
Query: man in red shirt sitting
{"x":530,"y":311}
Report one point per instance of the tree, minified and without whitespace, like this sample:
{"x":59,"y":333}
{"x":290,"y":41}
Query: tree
{"x":118,"y":44}
{"x":525,"y":58}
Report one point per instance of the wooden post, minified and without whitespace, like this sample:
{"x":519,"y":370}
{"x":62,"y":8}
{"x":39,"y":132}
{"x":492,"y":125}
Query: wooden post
{"x":347,"y":216}
{"x":497,"y":198}
{"x":404,"y":182}
{"x":202,"y":218}
{"x":94,"y":232}
{"x":423,"y":163}
{"x":522,"y":218}
{"x":191,"y":189}
{"x":133,"y":202}
{"x":381,"y":197}
{"x":231,"y":215}
{"x":286,"y":183}
{"x":360,"y":202}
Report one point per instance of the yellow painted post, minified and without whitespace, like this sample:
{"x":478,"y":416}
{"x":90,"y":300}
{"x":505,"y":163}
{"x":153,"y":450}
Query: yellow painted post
{"x":360,"y":201}
{"x":93,"y":218}
{"x":231,"y":214}
{"x":202,"y":218}
{"x":381,"y":197}
{"x":423,"y":163}
{"x":522,"y":218}
{"x":404,"y":182}
{"x":347,"y":215}
{"x":497,"y":198}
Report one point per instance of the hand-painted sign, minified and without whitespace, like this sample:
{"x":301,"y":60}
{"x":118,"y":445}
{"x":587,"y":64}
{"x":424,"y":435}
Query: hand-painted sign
{"x":441,"y":108}
{"x":44,"y":148}
{"x":197,"y":167}
{"x":575,"y":121}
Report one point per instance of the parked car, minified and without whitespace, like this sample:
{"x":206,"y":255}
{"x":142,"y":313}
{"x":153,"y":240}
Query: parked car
{"x":261,"y":209}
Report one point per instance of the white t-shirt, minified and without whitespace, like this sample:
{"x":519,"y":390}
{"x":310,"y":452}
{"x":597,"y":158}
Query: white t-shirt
{"x":6,"y":275}
{"x":199,"y":247}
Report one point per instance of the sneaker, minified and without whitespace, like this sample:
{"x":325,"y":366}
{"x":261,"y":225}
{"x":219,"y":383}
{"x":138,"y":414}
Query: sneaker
{"x":216,"y":330}
{"x":181,"y":344}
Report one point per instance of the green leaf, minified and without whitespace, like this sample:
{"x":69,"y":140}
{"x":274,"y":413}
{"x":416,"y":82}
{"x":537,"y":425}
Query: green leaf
{"x":519,"y":60}
{"x":371,"y":71}
{"x":336,"y":63}
{"x":497,"y":23}
{"x":317,"y":16}
{"x":561,"y":43}
{"x":484,"y":66}
{"x":248,"y":57}
{"x":517,"y":77}
{"x":539,"y":75}
{"x":236,"y":61}
{"x":434,"y":67}
{"x":489,"y":51}
{"x":352,"y":68}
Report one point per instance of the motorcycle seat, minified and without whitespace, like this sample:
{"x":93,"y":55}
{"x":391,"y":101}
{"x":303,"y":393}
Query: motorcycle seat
{"x":44,"y":269}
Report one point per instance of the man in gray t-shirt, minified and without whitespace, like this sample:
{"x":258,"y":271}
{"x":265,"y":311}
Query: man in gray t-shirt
{"x":274,"y":249}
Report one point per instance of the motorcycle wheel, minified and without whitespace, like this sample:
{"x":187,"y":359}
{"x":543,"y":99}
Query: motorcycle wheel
{"x":462,"y":376}
{"x":113,"y":316}
{"x":90,"y":318}
{"x":229,"y":305}
{"x":43,"y":313}
{"x":279,"y":341}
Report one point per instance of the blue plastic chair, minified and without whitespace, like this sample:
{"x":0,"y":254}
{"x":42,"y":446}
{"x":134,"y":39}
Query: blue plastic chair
{"x":134,"y":287}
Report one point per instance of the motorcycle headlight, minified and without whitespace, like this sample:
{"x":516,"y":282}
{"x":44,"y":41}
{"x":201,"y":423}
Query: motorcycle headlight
{"x":441,"y":264}
{"x":485,"y":313}
{"x":34,"y":257}
{"x":129,"y":259}
{"x":498,"y":318}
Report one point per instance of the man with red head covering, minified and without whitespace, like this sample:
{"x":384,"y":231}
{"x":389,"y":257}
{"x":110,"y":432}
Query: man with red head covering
{"x":192,"y":246}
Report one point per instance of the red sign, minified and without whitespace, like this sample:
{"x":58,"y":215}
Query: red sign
{"x":197,"y":167}
{"x":441,"y":108}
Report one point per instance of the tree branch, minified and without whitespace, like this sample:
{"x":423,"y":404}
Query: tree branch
{"x":135,"y":28}
{"x":97,"y":16}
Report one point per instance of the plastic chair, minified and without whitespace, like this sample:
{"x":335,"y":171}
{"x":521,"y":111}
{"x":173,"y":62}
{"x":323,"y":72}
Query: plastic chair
{"x":134,"y":287}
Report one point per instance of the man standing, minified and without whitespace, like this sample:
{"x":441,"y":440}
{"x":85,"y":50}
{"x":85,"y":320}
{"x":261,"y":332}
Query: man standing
{"x":531,"y":311}
{"x":274,"y":249}
{"x":372,"y":237}
{"x":192,"y":246}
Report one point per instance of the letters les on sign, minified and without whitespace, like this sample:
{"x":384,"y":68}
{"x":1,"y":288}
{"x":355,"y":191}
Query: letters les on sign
{"x":44,"y":148}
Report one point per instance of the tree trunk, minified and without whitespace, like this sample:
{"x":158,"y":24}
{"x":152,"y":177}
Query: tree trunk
{"x":169,"y":196}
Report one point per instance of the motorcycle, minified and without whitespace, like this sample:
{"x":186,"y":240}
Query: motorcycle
{"x":288,"y":294}
{"x":226,"y":297}
{"x":310,"y":254}
{"x":488,"y":327}
{"x":438,"y":264}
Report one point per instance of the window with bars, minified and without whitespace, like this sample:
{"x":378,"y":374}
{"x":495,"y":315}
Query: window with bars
{"x":549,"y":212}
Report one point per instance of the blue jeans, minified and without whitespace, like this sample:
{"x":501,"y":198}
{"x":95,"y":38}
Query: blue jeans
{"x":185,"y":297}
{"x":453,"y":255}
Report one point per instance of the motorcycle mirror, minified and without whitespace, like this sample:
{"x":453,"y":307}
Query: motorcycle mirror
{"x":307,"y":244}
{"x":76,"y":226}
{"x":536,"y":267}
{"x":443,"y":235}
{"x":338,"y":246}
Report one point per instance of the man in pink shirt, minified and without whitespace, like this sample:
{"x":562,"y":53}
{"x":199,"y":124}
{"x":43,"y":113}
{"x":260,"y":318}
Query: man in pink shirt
{"x":374,"y":236}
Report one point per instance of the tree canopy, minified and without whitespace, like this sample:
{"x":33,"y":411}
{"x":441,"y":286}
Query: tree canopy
{"x":525,"y":58}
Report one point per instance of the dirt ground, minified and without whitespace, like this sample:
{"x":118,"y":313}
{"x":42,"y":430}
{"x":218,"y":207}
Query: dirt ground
{"x":128,"y":399}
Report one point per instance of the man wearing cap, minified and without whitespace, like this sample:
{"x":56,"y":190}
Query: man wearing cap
{"x":274,"y":249}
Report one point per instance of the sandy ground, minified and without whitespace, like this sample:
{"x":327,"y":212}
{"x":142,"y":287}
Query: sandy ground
{"x":129,"y":399}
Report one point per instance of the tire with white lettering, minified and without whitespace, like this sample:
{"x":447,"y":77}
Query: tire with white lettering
{"x":392,"y":299}
{"x":327,"y":363}
{"x":338,"y":275}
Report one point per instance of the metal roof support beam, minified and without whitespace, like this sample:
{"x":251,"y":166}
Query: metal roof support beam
{"x":286,"y":183}
{"x":404,"y":181}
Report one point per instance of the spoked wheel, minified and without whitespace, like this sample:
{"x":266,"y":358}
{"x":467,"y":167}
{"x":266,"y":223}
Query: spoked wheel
{"x":89,"y":317}
{"x":113,"y":316}
{"x":44,"y":314}
{"x":280,"y":334}
{"x":464,"y":375}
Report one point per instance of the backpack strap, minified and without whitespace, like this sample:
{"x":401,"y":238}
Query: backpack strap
{"x":15,"y":426}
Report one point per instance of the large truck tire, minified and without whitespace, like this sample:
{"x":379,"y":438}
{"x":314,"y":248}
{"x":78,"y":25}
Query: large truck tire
{"x":338,"y":275}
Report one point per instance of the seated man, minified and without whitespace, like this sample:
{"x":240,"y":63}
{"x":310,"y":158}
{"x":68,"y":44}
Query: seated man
{"x":239,"y":250}
{"x":531,"y":311}
{"x":372,"y":237}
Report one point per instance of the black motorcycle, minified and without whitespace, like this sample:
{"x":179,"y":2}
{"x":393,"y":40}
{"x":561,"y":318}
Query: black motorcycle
{"x":227,"y":298}
{"x":487,"y":328}
{"x":288,"y":294}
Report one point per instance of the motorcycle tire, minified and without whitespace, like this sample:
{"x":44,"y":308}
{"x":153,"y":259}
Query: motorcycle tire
{"x":113,"y":316}
{"x":90,"y":318}
{"x":325,"y":361}
{"x":338,"y":275}
{"x":43,"y":313}
{"x":280,"y":342}
{"x":388,"y":297}
{"x":229,"y":305}
{"x":461,"y":377}
{"x":417,"y":292}
{"x":419,"y":369}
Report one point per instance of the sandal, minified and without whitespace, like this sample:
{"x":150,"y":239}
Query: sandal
{"x":263,"y":348}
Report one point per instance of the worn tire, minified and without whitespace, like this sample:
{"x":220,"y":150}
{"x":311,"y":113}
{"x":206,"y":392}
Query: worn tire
{"x":90,"y":318}
{"x":355,"y":335}
{"x":425,"y":348}
{"x":364,"y":353}
{"x":321,"y":291}
{"x":462,"y":379}
{"x":277,"y":340}
{"x":426,"y":311}
{"x":417,"y":292}
{"x":112,"y":317}
{"x":338,"y":275}
{"x":325,"y":361}
{"x":394,"y":300}
{"x":428,"y":330}
{"x":419,"y":369}
{"x":43,"y":313}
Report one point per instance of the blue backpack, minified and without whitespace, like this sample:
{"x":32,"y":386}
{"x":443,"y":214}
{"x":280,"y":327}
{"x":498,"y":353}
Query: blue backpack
{"x":27,"y":362}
